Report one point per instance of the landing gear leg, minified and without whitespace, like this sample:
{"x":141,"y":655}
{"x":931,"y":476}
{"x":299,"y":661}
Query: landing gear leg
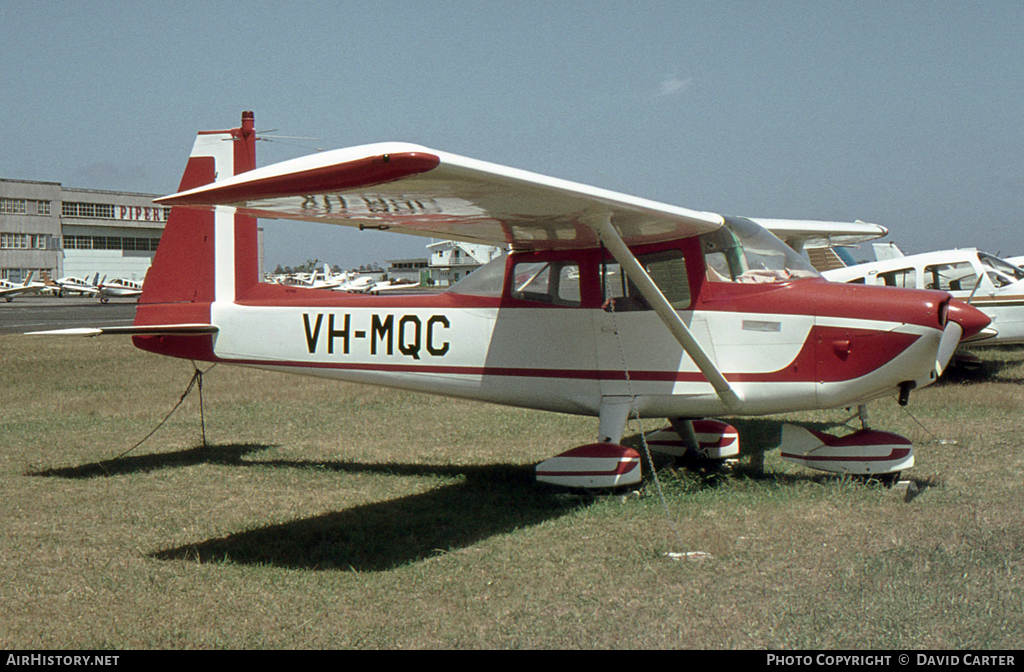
{"x":684,"y":428}
{"x":862,"y":415}
{"x":700,"y":440}
{"x":614,"y":413}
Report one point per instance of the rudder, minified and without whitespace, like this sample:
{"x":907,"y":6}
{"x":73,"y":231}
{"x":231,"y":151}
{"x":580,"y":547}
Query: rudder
{"x":205,"y":255}
{"x":184,"y":270}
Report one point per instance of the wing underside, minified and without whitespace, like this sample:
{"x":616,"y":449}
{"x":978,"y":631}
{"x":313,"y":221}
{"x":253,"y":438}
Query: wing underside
{"x":414,"y":190}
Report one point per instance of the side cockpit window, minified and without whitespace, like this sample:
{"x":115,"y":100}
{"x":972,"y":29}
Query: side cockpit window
{"x":668,"y":271}
{"x":904,"y":277}
{"x":955,"y":277}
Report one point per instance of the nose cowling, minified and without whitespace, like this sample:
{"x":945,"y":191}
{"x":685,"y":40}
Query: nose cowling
{"x":970,"y":319}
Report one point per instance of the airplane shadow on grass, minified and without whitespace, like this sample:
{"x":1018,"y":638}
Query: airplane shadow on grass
{"x":484,"y":501}
{"x":230,"y":454}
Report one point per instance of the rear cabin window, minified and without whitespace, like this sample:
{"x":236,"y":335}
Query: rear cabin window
{"x":484,"y":281}
{"x":554,"y":282}
{"x":905,"y":277}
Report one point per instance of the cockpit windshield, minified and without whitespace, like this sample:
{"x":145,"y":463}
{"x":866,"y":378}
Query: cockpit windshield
{"x":742,"y":251}
{"x":1001,"y":273}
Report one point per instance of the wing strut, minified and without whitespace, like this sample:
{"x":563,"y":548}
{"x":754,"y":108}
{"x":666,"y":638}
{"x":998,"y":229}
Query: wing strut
{"x":650,"y":291}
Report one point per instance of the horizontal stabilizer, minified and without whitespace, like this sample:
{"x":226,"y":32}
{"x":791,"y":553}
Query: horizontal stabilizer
{"x":145,"y":330}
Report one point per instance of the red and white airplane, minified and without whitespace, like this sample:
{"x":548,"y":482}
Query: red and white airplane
{"x":608,"y":305}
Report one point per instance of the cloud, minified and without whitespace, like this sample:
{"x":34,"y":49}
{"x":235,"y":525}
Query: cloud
{"x":673,"y":85}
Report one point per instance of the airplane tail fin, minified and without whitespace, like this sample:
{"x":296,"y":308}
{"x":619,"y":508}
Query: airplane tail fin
{"x":205,"y":255}
{"x":886,"y":251}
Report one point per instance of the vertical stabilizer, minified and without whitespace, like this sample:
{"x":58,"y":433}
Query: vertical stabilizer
{"x":205,"y":255}
{"x":886,"y":251}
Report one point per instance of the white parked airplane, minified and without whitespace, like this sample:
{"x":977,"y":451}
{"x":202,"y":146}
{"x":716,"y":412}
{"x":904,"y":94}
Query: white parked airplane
{"x":9,"y":290}
{"x":608,"y":305}
{"x":75,"y":285}
{"x":991,"y":284}
{"x":352,"y":282}
{"x":118,"y":288}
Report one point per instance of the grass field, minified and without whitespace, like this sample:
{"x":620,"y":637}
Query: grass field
{"x":333,"y":515}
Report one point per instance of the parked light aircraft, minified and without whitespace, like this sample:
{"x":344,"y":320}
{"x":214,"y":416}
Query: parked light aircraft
{"x":991,"y":284}
{"x":396,"y":285}
{"x":9,"y":290}
{"x":344,"y":281}
{"x":608,"y":305}
{"x":353,"y":282}
{"x":118,"y":288}
{"x":310,"y":280}
{"x":74,"y":285}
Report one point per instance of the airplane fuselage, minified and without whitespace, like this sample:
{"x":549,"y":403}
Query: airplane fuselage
{"x":798,"y":345}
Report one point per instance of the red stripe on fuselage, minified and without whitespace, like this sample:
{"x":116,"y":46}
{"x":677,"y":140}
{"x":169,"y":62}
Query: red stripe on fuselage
{"x":817,"y":296}
{"x":875,"y":349}
{"x":822,"y":298}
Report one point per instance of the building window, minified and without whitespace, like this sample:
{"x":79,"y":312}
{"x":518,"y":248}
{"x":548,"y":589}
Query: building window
{"x":12,"y":206}
{"x":14,"y":241}
{"x":110,"y":243}
{"x":87,"y":210}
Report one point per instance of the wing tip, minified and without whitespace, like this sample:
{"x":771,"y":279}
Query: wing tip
{"x":316,"y":177}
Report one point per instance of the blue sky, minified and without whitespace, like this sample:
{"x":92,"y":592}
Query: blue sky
{"x":908,"y":114}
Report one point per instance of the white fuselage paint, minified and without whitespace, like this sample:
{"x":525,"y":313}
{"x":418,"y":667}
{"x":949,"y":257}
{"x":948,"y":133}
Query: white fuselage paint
{"x":562,"y":360}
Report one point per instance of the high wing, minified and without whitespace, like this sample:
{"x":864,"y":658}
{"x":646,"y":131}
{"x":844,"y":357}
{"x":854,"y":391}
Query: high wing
{"x":800,"y":234}
{"x":411,"y":189}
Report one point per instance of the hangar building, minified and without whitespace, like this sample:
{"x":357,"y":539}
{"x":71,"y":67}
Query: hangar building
{"x":64,"y":231}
